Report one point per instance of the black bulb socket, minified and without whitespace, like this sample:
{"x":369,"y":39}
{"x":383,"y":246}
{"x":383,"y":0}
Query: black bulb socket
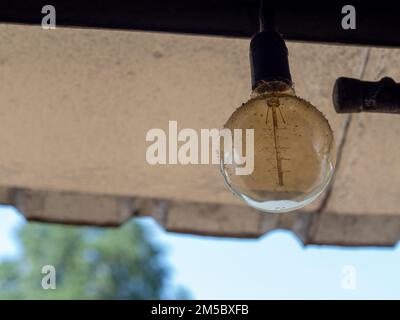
{"x":269,"y":58}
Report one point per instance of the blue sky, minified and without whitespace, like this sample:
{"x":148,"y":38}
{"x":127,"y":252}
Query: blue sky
{"x":276,"y":266}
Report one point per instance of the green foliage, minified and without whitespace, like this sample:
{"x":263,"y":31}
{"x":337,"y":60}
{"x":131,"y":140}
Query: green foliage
{"x":90,"y":263}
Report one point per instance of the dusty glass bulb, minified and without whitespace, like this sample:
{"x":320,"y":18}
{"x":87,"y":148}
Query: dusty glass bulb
{"x":294,"y":150}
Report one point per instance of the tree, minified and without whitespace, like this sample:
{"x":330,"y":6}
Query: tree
{"x":90,"y":263}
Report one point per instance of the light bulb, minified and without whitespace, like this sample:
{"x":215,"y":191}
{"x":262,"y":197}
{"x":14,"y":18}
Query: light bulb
{"x":294,"y":150}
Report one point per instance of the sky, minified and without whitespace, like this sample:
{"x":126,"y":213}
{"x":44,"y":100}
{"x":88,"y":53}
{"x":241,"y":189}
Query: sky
{"x":276,"y":266}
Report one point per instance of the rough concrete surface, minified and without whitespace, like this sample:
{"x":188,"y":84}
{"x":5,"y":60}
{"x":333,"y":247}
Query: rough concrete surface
{"x":76,"y":105}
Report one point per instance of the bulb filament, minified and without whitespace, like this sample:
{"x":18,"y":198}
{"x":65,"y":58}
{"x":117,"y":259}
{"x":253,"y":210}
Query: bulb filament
{"x":273,"y":104}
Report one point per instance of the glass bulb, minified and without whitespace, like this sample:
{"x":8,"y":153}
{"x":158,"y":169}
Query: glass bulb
{"x":294,"y":150}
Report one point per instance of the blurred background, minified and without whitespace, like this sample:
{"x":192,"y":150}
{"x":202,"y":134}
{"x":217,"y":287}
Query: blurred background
{"x":141,"y":261}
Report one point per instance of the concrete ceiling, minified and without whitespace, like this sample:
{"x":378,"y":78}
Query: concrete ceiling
{"x":76,"y":105}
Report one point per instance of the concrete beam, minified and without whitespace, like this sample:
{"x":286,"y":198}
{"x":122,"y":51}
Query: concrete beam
{"x":205,"y":219}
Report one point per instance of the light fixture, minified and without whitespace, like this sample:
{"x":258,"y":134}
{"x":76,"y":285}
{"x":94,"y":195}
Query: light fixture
{"x":294,"y":148}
